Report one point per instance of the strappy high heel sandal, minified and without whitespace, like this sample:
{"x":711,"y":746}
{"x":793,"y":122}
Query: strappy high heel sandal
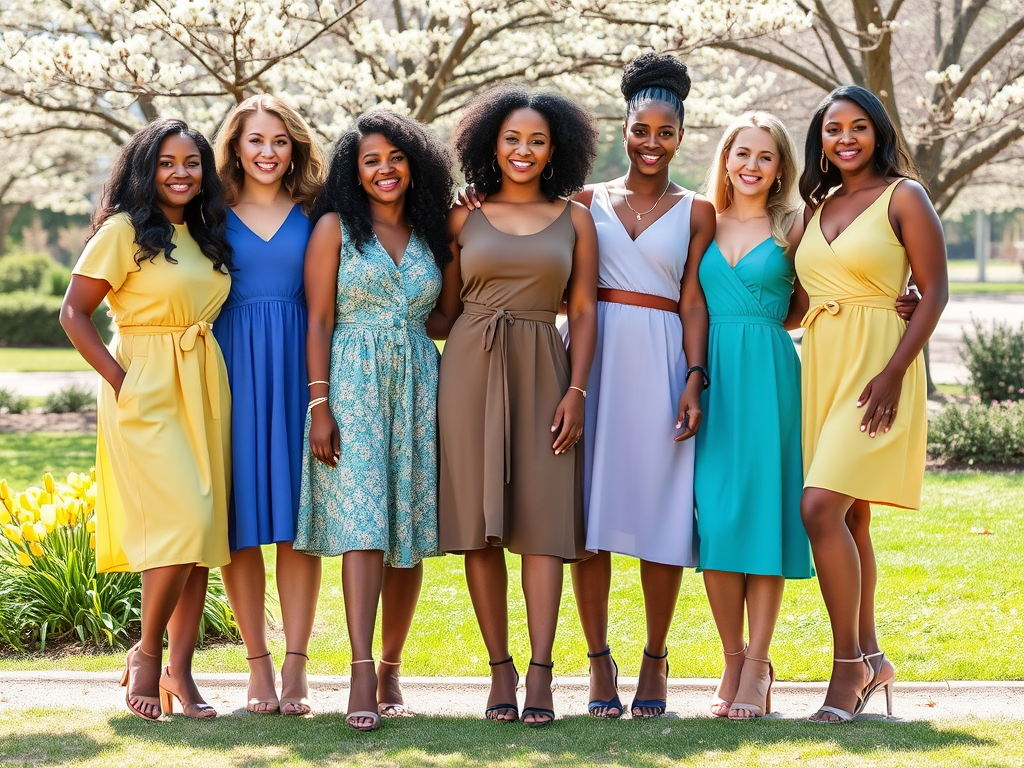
{"x":126,"y":683}
{"x":878,"y":681}
{"x":758,"y":691}
{"x":300,"y":705}
{"x":389,"y":708}
{"x":263,"y":706}
{"x":656,"y":704}
{"x":540,"y":711}
{"x":716,"y":700}
{"x":199,"y":710}
{"x":842,"y":714}
{"x":612,"y":703}
{"x":513,"y":708}
{"x":372,"y":716}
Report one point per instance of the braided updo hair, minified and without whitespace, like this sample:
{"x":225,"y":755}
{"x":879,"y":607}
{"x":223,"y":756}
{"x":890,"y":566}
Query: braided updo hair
{"x":655,"y":77}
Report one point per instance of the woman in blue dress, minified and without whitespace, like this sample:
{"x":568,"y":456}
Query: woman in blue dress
{"x":369,"y":471}
{"x":271,"y":168}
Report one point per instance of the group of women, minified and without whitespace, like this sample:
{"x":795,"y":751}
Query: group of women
{"x":274,"y":381}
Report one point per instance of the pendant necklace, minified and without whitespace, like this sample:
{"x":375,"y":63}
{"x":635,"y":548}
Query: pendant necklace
{"x":644,"y":213}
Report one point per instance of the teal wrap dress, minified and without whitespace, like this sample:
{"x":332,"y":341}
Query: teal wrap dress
{"x":748,"y":477}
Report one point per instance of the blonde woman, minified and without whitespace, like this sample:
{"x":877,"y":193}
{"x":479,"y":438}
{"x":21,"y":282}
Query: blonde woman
{"x":271,"y":168}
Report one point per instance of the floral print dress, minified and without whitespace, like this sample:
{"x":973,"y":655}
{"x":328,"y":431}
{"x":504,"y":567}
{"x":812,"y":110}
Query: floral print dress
{"x":382,"y":495}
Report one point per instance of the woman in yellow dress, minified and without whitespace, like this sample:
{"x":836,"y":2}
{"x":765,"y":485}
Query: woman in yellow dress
{"x":159,"y":255}
{"x":869,"y":224}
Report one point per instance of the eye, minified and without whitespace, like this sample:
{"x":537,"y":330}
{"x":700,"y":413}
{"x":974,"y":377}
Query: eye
{"x":398,"y":159}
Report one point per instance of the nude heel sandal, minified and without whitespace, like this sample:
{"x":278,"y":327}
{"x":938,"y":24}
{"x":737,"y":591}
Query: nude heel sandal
{"x":877,"y":682}
{"x":270,"y":706}
{"x":300,"y":704}
{"x":373,"y":716}
{"x":126,"y":683}
{"x":760,"y":692}
{"x":717,"y":701}
{"x":393,"y":709}
{"x":842,"y":714}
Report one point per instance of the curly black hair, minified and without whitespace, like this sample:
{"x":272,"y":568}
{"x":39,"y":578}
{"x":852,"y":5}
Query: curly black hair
{"x":890,"y":157}
{"x":655,"y":77}
{"x":572,"y":128}
{"x":427,"y":199}
{"x":131,"y":189}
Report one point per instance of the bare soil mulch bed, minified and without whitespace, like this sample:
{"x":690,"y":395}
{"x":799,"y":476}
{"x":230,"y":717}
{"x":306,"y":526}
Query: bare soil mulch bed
{"x":48,"y":422}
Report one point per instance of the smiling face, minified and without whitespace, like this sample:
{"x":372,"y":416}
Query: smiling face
{"x":264,"y":148}
{"x":752,"y":162}
{"x":652,"y":136}
{"x":384,"y":169}
{"x":848,"y":136}
{"x":179,"y":176}
{"x":524,"y":145}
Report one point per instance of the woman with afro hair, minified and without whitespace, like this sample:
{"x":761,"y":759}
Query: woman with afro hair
{"x":511,"y":401}
{"x":369,"y":475}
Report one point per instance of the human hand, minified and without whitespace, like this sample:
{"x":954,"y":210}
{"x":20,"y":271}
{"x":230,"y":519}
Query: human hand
{"x":906,"y":304}
{"x":689,"y":410}
{"x":879,"y":400}
{"x":324,"y":437}
{"x":568,"y":421}
{"x":469,"y":197}
{"x":117,"y":385}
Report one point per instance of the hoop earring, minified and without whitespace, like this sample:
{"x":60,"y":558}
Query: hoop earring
{"x":412,"y":183}
{"x":358,"y":182}
{"x":494,"y":165}
{"x":291,"y":167}
{"x":823,"y":162}
{"x":238,"y":163}
{"x":778,"y":183}
{"x":728,"y":181}
{"x":548,"y":176}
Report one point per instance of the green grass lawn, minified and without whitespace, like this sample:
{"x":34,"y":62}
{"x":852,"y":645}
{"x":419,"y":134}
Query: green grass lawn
{"x":13,"y":359}
{"x":25,"y":456}
{"x":80,"y":739}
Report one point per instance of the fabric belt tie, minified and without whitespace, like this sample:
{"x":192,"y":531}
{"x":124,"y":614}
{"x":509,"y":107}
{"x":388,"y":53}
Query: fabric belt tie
{"x":633,"y":299}
{"x":745,"y":320}
{"x":495,"y":331}
{"x":832,"y":305}
{"x":189,"y":335}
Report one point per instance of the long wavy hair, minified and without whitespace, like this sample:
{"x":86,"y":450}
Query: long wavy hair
{"x":427,"y":198}
{"x":782,"y":205}
{"x":131,"y":189}
{"x":890,"y":157}
{"x":302,"y":183}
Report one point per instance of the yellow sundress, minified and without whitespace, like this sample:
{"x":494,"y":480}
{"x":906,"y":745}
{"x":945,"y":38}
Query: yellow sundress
{"x":852,"y":332}
{"x":163,"y":447}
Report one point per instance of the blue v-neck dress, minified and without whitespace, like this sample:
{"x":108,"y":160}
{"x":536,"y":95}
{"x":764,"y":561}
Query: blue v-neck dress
{"x":382,"y":495}
{"x":262,"y":332}
{"x":749,"y":475}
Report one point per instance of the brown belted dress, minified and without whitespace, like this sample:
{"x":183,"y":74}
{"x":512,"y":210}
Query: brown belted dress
{"x":503,"y":372}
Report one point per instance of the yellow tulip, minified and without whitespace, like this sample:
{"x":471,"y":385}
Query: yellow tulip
{"x":92,"y":541}
{"x":5,"y":490}
{"x":8,"y":504}
{"x":28,"y":532}
{"x":48,"y":516}
{"x":24,"y":559}
{"x":92,"y":474}
{"x":91,"y":525}
{"x":5,"y":516}
{"x":48,"y":483}
{"x":13,"y":533}
{"x":35,"y":549}
{"x":40,"y":528}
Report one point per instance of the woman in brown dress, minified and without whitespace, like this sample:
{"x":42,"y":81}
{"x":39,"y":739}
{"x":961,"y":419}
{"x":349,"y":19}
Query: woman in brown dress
{"x":510,"y":402}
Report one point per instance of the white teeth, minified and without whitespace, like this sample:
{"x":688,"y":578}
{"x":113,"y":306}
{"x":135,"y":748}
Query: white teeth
{"x":520,"y":165}
{"x":266,"y":166}
{"x":749,"y":179}
{"x":180,"y":187}
{"x":649,"y":158}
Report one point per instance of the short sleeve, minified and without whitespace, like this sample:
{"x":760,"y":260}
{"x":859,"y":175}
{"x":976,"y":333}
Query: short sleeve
{"x":110,"y":253}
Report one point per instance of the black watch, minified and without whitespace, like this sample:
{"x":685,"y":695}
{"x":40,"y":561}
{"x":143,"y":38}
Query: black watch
{"x":706,"y":380}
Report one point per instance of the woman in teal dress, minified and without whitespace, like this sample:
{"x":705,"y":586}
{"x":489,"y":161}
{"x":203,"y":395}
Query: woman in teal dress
{"x":369,"y":475}
{"x":749,"y":475}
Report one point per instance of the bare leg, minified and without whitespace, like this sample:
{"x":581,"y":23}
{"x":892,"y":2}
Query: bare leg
{"x":858,"y":519}
{"x":764,"y":600}
{"x":726,"y":595}
{"x":542,"y":588}
{"x":362,"y":573}
{"x":837,"y":562}
{"x":161,"y":589}
{"x":660,"y":584}
{"x":298,"y":585}
{"x":182,"y":633}
{"x":398,"y":605}
{"x":591,"y":583}
{"x":246,"y":585}
{"x":487,"y":579}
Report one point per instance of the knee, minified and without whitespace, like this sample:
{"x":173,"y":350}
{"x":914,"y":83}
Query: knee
{"x":815,"y":517}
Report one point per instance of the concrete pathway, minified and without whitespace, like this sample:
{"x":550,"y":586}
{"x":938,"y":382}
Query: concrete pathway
{"x":465,"y":697}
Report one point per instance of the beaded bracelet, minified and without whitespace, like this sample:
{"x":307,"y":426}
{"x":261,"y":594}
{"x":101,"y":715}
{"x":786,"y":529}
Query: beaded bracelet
{"x":315,"y":402}
{"x":318,"y":382}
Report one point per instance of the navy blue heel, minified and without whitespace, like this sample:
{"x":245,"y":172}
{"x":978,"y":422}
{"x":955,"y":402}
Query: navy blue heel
{"x":502,"y":707}
{"x":656,"y":704}
{"x":613,"y":703}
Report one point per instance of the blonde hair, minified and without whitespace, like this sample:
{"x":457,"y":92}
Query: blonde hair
{"x":782,"y":206}
{"x":303,"y":183}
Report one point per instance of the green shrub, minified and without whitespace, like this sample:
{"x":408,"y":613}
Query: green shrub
{"x":33,"y":320}
{"x":49,"y":587}
{"x":995,"y":361}
{"x":13,"y":402}
{"x":71,"y":399}
{"x":23,"y":271}
{"x":977,"y":433}
{"x":55,"y":281}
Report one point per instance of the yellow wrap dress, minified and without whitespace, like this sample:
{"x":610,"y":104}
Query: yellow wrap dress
{"x":163,"y":446}
{"x":852,"y":332}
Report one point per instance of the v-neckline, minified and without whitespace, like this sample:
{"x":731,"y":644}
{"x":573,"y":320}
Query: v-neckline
{"x":650,"y":226}
{"x":279,"y":226}
{"x":742,"y":258}
{"x":398,"y":264}
{"x":821,"y":213}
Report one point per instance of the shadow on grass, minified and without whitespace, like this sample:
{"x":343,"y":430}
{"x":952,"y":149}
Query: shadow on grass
{"x":263,"y":741}
{"x":48,"y":749}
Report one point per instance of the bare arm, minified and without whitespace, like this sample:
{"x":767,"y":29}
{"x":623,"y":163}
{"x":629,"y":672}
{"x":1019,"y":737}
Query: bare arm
{"x":581,"y":310}
{"x":449,"y":302}
{"x":693,"y":312}
{"x":321,"y":279}
{"x":83,"y":296}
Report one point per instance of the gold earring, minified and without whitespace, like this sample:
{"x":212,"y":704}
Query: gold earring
{"x":238,"y":163}
{"x":778,"y":183}
{"x":494,"y":164}
{"x":551,"y":175}
{"x":823,"y":163}
{"x":291,"y":167}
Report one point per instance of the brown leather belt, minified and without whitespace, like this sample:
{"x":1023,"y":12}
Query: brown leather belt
{"x":646,"y":300}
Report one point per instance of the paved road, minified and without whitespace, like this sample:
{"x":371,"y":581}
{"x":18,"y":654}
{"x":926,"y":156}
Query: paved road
{"x":945,"y":346}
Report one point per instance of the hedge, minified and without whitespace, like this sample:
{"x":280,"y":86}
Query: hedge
{"x":24,"y":271}
{"x":33,"y":320}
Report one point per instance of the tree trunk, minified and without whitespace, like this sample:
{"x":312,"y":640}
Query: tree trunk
{"x":7,"y":213}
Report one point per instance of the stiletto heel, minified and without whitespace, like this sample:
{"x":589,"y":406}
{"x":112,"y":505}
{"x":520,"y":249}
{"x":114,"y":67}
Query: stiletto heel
{"x":888,"y":697}
{"x":612,"y":703}
{"x":877,"y":681}
{"x":759,"y":692}
{"x":270,"y":706}
{"x":299,"y":704}
{"x":540,"y":711}
{"x":656,"y":704}
{"x":513,"y":708}
{"x":717,"y":701}
{"x":393,"y":709}
{"x":351,"y":716}
{"x":842,"y":714}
